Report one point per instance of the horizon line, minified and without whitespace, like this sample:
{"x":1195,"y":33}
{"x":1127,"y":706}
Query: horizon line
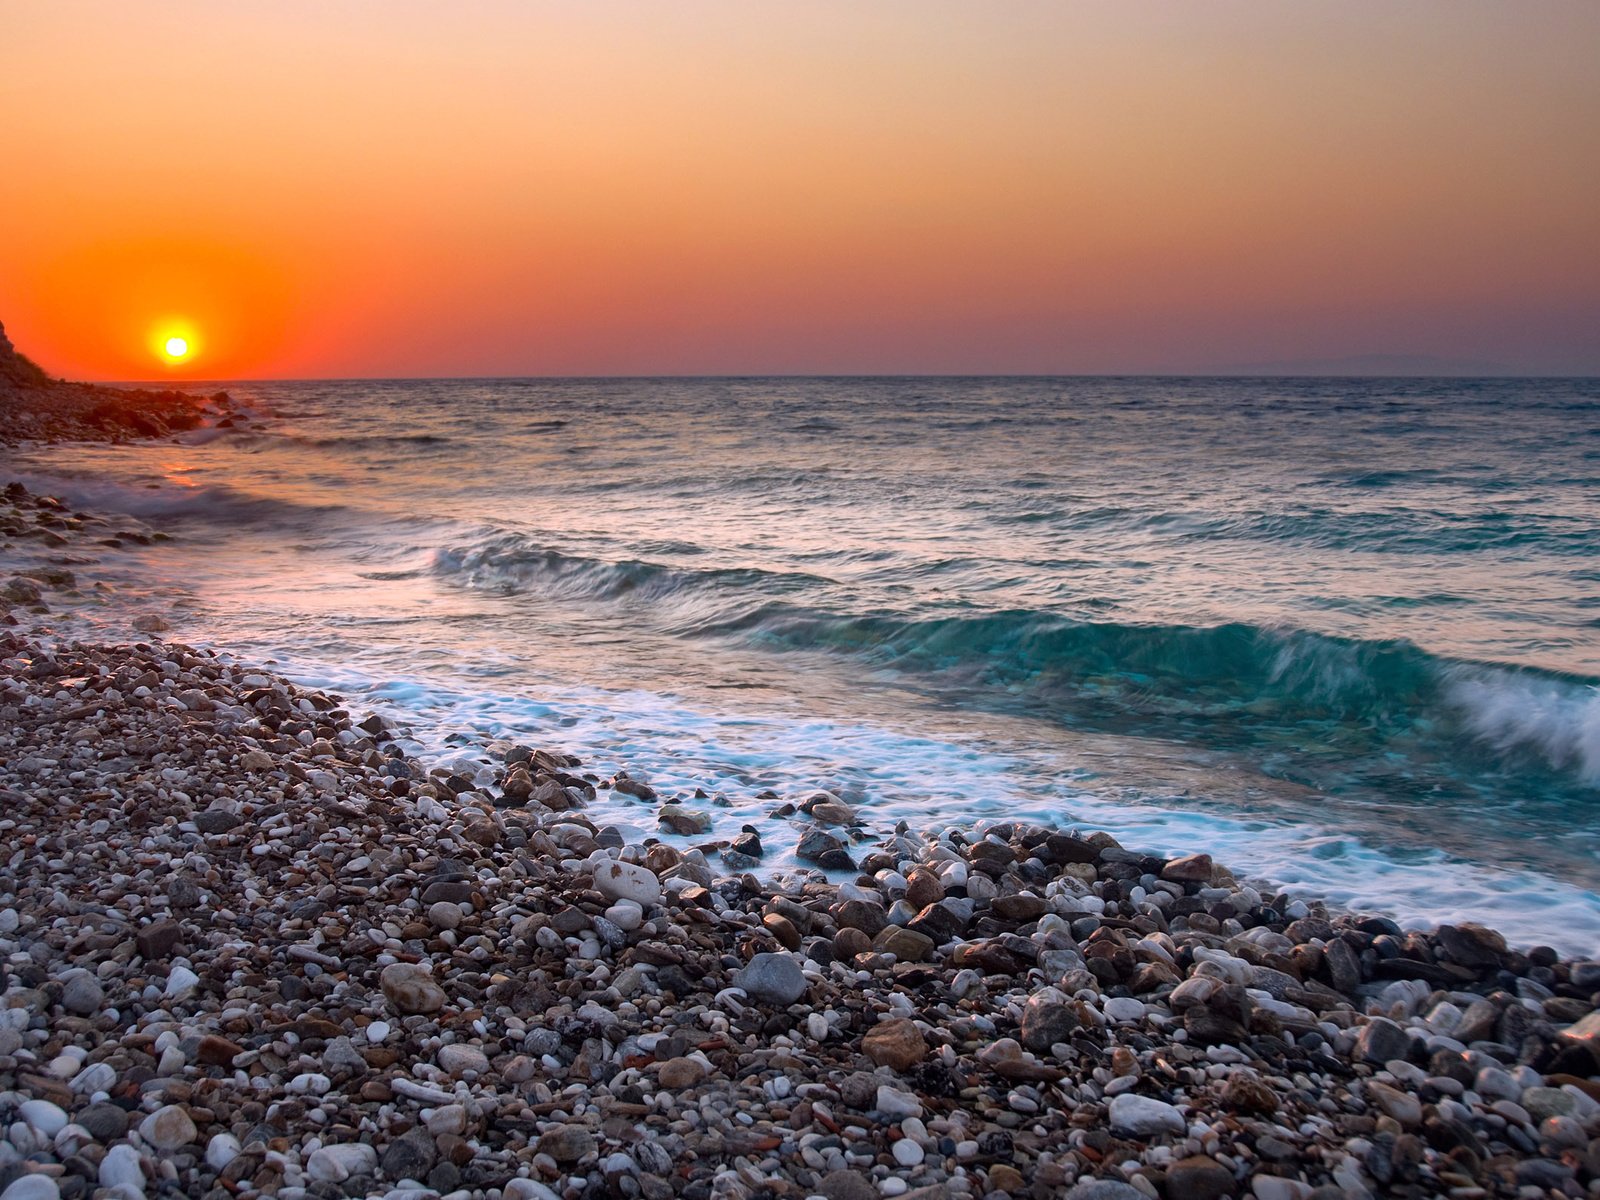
{"x":877,"y":375}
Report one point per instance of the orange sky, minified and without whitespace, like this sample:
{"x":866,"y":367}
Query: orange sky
{"x":496,"y":188}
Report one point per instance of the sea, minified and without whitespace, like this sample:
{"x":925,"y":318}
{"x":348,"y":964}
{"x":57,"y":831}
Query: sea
{"x":1342,"y":634}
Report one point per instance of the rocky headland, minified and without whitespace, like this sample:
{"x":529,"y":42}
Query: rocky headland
{"x":34,"y":406}
{"x":250,"y":947}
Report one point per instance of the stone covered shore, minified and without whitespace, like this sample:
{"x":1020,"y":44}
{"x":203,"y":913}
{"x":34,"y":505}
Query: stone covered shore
{"x":248,"y":947}
{"x":34,"y":406}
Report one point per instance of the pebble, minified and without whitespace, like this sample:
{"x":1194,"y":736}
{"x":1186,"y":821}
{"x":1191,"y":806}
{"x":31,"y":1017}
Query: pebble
{"x":32,"y":1187}
{"x":410,"y":987}
{"x":1144,"y":1116}
{"x":168,"y":1128}
{"x":221,"y":1150}
{"x":335,"y":1164}
{"x":458,"y":1060}
{"x":82,"y":994}
{"x":180,"y":982}
{"x":772,"y":978}
{"x":626,"y":881}
{"x":907,"y":1153}
{"x":49,"y":1119}
{"x":121,"y":1168}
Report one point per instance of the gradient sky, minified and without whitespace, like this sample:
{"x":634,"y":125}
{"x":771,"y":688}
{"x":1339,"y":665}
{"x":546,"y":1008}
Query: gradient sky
{"x":498,"y":188}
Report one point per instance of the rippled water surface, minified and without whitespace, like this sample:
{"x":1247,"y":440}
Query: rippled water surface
{"x":1343,"y":633}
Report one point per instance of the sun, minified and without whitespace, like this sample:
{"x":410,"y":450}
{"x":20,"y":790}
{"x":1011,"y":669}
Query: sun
{"x":177,"y":347}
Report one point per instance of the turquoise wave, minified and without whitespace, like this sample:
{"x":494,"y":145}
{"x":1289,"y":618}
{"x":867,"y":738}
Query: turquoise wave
{"x":1383,"y":713}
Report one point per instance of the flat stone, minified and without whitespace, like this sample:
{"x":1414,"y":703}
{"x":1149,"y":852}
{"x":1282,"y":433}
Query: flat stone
{"x":223,"y":1148}
{"x":458,"y":1059}
{"x":169,"y":1128}
{"x":567,"y":1144}
{"x":410,"y":1156}
{"x":214,"y":1051}
{"x":49,"y":1119}
{"x":896,"y":1043}
{"x":1144,"y":1116}
{"x":158,"y":939}
{"x":106,"y":1121}
{"x":846,"y":1185}
{"x":1380,"y":1040}
{"x":616,"y":880}
{"x":444,"y":915}
{"x":897,"y":1104}
{"x":1198,"y":1178}
{"x":906,"y":945}
{"x":866,"y":915}
{"x":1104,"y":1189}
{"x":1402,"y":1107}
{"x":1247,"y":1093}
{"x":772,"y":978}
{"x":1543,"y":1103}
{"x":214,"y":822}
{"x":447,"y":891}
{"x":1191,"y":868}
{"x":82,"y":994}
{"x":907,"y":1153}
{"x":32,"y":1187}
{"x":1124,"y":1010}
{"x":678,"y":1073}
{"x":686,"y":822}
{"x":410,"y":987}
{"x":121,"y":1168}
{"x":1046,"y":1021}
{"x":1020,"y":907}
{"x":448,"y":1119}
{"x":335,"y":1164}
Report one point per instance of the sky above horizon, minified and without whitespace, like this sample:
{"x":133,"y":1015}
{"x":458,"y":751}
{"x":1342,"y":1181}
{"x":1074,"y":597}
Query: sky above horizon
{"x":510,"y":187}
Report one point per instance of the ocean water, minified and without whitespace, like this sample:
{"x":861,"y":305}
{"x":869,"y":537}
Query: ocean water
{"x":1344,"y":634}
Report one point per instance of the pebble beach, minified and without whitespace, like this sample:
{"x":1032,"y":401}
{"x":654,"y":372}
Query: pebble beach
{"x":252,"y":948}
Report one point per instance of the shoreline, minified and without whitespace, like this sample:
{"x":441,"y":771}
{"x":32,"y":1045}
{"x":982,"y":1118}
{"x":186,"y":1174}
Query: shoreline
{"x":226,"y":887}
{"x":35,"y":407}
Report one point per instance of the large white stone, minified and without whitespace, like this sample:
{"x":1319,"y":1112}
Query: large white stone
{"x":335,"y":1164}
{"x":32,"y":1187}
{"x":625,"y":915}
{"x":895,"y":1104}
{"x":180,"y":982}
{"x":1125,"y":1010}
{"x":458,"y":1059}
{"x":120,"y":1168}
{"x":221,"y":1150}
{"x":49,"y":1119}
{"x":617,"y":880}
{"x":1143,"y":1116}
{"x":773,"y":977}
{"x":447,"y":1118}
{"x":169,"y":1128}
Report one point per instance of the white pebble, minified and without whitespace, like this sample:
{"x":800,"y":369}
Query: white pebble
{"x":907,"y":1153}
{"x":46,"y":1118}
{"x":180,"y":982}
{"x":32,"y":1187}
{"x":221,"y":1150}
{"x":120,"y":1168}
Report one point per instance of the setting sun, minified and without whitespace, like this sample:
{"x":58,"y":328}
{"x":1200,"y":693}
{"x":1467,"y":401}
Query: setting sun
{"x":177,"y":347}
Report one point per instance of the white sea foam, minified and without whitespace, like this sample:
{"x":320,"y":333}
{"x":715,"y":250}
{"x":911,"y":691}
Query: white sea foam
{"x":930,"y":782}
{"x":1558,"y":721}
